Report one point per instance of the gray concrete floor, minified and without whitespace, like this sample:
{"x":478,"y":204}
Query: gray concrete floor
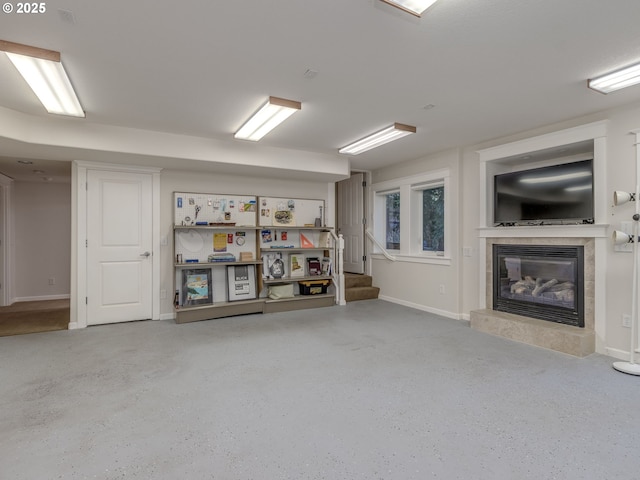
{"x":367,"y":391}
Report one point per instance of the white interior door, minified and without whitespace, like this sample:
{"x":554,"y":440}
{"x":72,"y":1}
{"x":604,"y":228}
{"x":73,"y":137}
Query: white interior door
{"x":119,"y":246}
{"x":351,"y":221}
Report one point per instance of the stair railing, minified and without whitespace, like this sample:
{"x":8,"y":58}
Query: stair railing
{"x":386,"y":254}
{"x":338,"y":269}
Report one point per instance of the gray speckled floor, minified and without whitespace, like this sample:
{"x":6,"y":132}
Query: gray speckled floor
{"x":367,"y":391}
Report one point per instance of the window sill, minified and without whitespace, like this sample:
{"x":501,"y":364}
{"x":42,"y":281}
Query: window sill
{"x":431,"y":260}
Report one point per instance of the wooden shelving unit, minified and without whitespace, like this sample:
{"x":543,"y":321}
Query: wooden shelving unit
{"x":215,"y":224}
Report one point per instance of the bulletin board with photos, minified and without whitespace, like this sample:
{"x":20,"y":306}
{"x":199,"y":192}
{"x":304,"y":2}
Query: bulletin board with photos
{"x":290,"y":212}
{"x":206,"y":209}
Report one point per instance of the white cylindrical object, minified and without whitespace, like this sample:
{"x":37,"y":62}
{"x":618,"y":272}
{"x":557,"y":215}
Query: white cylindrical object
{"x":620,"y":198}
{"x":621,"y":238}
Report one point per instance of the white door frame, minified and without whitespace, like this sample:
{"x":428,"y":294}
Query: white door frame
{"x":79,"y":236}
{"x":6,"y":241}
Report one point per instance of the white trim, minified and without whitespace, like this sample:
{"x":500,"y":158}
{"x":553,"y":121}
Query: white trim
{"x":554,"y":231}
{"x":6,"y":240}
{"x":429,"y":259}
{"x":41,"y":298}
{"x":115,"y":167}
{"x":155,"y":239}
{"x":79,"y":236}
{"x":417,"y":306}
{"x":410,"y":216}
{"x":617,"y":353}
{"x":581,"y":133}
{"x":167,"y":316}
{"x":431,"y":176}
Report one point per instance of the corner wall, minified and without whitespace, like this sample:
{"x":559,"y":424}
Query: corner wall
{"x":42,"y":233}
{"x":413,"y":284}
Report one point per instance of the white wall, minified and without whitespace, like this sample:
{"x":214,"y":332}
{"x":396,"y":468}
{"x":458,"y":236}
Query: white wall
{"x":177,"y":181}
{"x":418,"y":284}
{"x":42,"y":240}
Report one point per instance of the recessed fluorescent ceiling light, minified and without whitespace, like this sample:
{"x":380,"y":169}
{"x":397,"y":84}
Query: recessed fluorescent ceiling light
{"x":414,"y":7}
{"x":394,"y":132}
{"x":270,"y":115}
{"x":613,"y":81}
{"x":46,"y":76}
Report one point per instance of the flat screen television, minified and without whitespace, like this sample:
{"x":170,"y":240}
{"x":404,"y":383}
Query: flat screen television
{"x":557,"y":194}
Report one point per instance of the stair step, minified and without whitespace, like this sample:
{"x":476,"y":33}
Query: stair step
{"x":354,"y":280}
{"x":361,"y":293}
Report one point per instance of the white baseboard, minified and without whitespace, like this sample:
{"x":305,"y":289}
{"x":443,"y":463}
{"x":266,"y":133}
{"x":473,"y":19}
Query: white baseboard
{"x":620,"y":354}
{"x":41,"y":298}
{"x":167,"y":316}
{"x":435,"y":311}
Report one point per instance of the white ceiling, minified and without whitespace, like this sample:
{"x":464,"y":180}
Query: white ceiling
{"x":491,"y":68}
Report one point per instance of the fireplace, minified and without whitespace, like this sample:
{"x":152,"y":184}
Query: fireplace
{"x":540,"y":281}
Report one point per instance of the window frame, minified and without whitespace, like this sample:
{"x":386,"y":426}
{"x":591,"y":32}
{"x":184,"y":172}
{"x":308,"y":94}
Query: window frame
{"x":417,"y":193}
{"x":381,"y":207}
{"x":411,"y":215}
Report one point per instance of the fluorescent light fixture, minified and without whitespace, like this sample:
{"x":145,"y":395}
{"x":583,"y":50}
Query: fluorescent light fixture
{"x":556,"y":178}
{"x":394,"y":132}
{"x":613,"y":81}
{"x":270,"y":115}
{"x":46,"y":76}
{"x":414,"y":7}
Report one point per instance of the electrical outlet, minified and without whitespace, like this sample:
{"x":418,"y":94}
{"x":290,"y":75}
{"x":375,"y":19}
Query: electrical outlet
{"x":626,"y":320}
{"x":466,"y":251}
{"x":163,"y":294}
{"x":52,"y":281}
{"x":442,"y":291}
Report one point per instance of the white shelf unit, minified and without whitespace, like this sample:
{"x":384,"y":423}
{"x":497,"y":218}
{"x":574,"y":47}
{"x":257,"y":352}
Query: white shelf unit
{"x":217,"y":225}
{"x":207,"y":225}
{"x":285,"y":242}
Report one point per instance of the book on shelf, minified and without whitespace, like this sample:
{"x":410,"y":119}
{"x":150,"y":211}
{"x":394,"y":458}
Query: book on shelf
{"x":324,"y":240}
{"x":327,"y":266}
{"x":221,"y":257}
{"x":314,"y":266}
{"x":296,"y":265}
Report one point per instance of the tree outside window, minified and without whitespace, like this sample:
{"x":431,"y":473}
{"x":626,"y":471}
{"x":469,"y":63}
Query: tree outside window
{"x":393,"y":221}
{"x":432,"y":219}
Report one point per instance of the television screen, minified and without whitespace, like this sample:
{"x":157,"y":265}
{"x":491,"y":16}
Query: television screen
{"x":557,"y":194}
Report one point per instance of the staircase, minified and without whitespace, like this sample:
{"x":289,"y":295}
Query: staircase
{"x":358,"y":287}
{"x":33,"y":317}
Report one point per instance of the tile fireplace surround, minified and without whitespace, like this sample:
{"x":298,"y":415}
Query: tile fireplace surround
{"x":555,"y":336}
{"x":575,"y":143}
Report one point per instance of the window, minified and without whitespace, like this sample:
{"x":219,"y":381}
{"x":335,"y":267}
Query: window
{"x":433,"y":219}
{"x":392,"y":221}
{"x":411,"y":217}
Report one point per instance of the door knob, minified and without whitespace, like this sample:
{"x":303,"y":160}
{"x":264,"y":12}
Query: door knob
{"x":145,"y":254}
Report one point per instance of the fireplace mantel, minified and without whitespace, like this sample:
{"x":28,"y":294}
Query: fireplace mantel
{"x":548,"y":231}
